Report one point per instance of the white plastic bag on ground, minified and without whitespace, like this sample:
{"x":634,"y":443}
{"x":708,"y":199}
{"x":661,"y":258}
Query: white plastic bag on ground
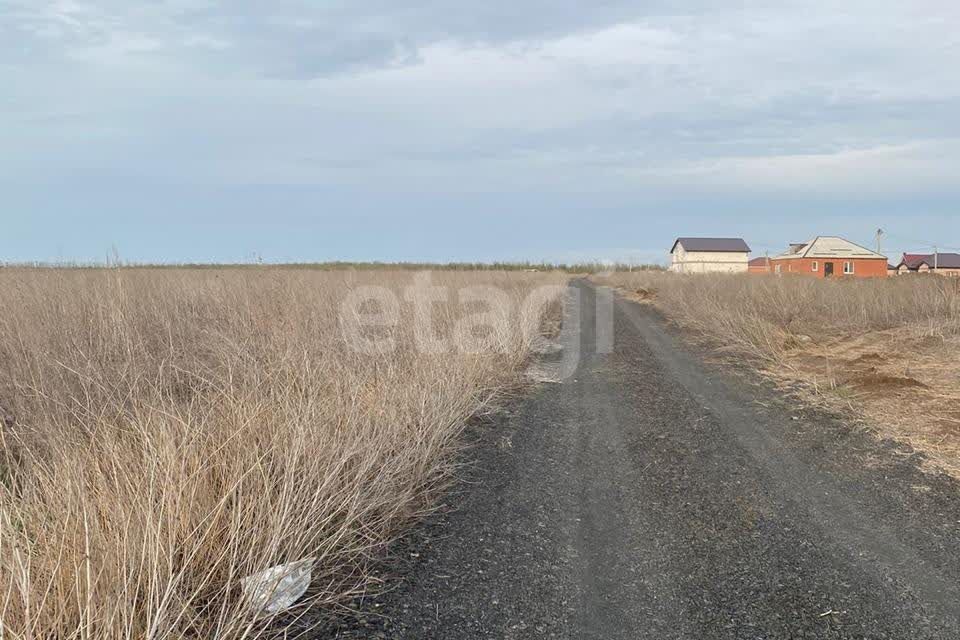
{"x":272,"y":590}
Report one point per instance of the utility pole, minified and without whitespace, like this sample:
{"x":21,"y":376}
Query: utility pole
{"x":879,"y":233}
{"x":936,"y":258}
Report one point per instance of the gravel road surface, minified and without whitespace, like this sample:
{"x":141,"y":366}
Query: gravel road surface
{"x":651,"y":494}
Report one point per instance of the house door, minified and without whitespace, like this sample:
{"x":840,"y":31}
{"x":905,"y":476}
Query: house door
{"x":827,"y":269}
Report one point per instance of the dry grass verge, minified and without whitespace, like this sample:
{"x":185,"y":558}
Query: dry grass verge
{"x":887,"y":350}
{"x":167,"y":432}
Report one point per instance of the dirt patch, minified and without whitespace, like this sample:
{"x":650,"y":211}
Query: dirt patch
{"x":928,"y":342}
{"x":636,"y":294}
{"x":901,"y":382}
{"x":875,"y":381}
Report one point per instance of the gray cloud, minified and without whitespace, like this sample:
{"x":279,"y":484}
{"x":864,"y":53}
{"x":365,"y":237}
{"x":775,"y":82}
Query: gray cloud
{"x":498,"y":94}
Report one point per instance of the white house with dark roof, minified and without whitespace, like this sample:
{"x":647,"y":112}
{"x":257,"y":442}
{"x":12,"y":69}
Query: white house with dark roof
{"x":709,"y":255}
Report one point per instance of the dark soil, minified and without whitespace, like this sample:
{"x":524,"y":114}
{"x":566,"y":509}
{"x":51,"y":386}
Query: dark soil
{"x":873,"y":380}
{"x":652,"y":495}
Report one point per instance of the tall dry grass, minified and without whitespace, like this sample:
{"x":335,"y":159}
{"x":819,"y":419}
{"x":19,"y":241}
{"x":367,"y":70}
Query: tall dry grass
{"x":169,"y":432}
{"x":765,"y":316}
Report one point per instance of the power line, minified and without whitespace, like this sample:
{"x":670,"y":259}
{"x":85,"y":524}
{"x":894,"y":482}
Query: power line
{"x":925,"y":243}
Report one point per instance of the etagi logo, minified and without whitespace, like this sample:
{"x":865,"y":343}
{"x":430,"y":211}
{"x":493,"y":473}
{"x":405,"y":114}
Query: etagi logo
{"x":480,"y":320}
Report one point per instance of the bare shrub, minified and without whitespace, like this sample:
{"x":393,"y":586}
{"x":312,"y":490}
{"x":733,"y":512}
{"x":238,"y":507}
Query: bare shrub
{"x":173,"y":431}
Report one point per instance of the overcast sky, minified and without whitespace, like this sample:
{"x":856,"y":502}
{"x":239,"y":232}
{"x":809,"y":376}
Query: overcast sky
{"x":494,"y":129}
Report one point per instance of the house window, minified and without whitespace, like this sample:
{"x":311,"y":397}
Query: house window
{"x":815,"y":266}
{"x":777,"y":268}
{"x":848,"y":268}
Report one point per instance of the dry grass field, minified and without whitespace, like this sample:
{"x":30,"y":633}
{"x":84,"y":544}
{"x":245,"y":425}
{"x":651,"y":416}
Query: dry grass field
{"x":886,"y":350}
{"x":168,"y":432}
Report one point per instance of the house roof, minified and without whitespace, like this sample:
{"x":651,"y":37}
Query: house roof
{"x":942,"y":260}
{"x":762,"y":261}
{"x":946,"y":260}
{"x":912,"y":260}
{"x":830,"y":247}
{"x":725,"y":245}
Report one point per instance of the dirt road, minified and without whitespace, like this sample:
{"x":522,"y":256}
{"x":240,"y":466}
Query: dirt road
{"x":651,"y":495}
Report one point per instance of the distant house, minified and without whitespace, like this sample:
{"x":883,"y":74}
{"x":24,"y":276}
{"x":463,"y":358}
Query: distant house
{"x":709,"y":255}
{"x":760,"y":265}
{"x":910,"y":262}
{"x":947,"y":264}
{"x":830,"y":256}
